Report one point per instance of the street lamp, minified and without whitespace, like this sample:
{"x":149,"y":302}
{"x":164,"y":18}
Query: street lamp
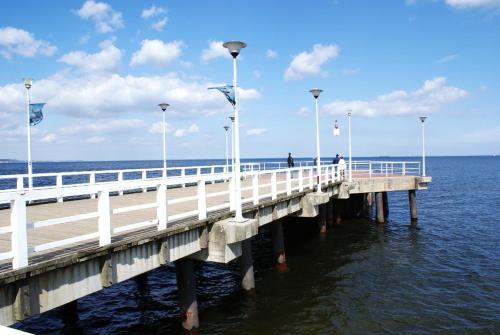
{"x":422,"y":119}
{"x":226,"y":128}
{"x":316,"y":92}
{"x":163,"y":107}
{"x":234,"y":48}
{"x":349,"y":112}
{"x":28,"y":82}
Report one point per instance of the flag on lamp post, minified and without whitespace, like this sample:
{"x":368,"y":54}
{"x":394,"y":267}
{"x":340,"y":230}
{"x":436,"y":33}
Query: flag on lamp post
{"x":36,"y":114}
{"x":228,"y":91}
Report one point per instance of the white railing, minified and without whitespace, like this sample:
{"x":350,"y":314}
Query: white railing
{"x":259,"y":184}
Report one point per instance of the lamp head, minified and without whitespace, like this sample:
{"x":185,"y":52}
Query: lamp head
{"x":28,"y":82}
{"x":422,"y":118}
{"x":315,"y":92}
{"x":226,"y":128}
{"x":349,"y":112}
{"x":234,"y":47}
{"x":163,"y":106}
{"x":231,"y":118}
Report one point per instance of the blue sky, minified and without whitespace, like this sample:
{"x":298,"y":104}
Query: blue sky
{"x":103,"y":66}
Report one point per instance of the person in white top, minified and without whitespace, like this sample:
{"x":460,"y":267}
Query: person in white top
{"x":342,"y":167}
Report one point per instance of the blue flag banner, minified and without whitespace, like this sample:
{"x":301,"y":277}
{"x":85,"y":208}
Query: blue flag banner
{"x":228,"y":91}
{"x":36,"y":115}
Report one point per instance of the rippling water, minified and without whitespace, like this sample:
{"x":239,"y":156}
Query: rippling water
{"x":442,"y":276}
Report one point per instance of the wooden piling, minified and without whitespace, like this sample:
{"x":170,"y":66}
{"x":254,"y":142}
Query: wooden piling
{"x":278,"y":242}
{"x":386,"y":204}
{"x":186,"y":285}
{"x":246,"y":266}
{"x":379,"y":204}
{"x":412,"y":199}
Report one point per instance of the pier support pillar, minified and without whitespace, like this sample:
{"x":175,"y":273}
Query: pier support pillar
{"x":367,"y":205}
{"x":246,"y":266}
{"x":330,"y":213}
{"x":386,"y":204}
{"x":278,"y":242}
{"x":339,"y":207}
{"x":187,"y":293}
{"x":322,"y":219}
{"x":379,"y":204}
{"x":69,"y":313}
{"x":412,"y":199}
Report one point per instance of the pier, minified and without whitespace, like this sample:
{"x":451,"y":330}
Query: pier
{"x":85,"y":231}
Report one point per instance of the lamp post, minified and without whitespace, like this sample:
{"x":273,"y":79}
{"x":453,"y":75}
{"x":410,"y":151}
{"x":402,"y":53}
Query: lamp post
{"x":422,"y":119}
{"x":234,"y":48}
{"x":316,"y":92}
{"x":28,"y":82}
{"x":163,"y":107}
{"x":226,"y":128}
{"x":349,"y":112}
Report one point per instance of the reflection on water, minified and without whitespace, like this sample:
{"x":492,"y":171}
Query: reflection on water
{"x":440,"y":276}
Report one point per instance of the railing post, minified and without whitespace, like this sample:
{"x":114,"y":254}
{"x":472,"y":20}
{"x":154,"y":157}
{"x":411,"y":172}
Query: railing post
{"x":386,"y":169}
{"x":392,"y":167}
{"x":104,"y":210}
{"x":161,"y":210}
{"x":370,"y":169}
{"x":274,"y":192}
{"x":120,"y":180}
{"x":255,"y":188}
{"x":92,"y":182}
{"x":311,"y":185}
{"x":19,"y":237}
{"x":213,"y":171}
{"x":144,"y":176}
{"x":183,"y":175}
{"x":301,"y":180}
{"x":20,"y":183}
{"x":288,"y":183}
{"x":404,"y":169}
{"x":59,"y":184}
{"x":202,"y":200}
{"x":198,"y":171}
{"x":231,"y":193}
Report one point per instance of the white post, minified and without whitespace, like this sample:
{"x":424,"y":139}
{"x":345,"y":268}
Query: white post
{"x":213,"y":172}
{"x":404,"y":169}
{"x":318,"y":157}
{"x":144,"y":176}
{"x":239,"y":213}
{"x":183,"y":174}
{"x":255,"y":188}
{"x":288,"y":183}
{"x":59,"y":184}
{"x":202,"y":200}
{"x":104,"y":209}
{"x":161,"y":210}
{"x":350,"y":148}
{"x":92,"y":182}
{"x":231,"y":193}
{"x":301,"y":180}
{"x":311,"y":178}
{"x":164,"y":146}
{"x":19,"y":237}
{"x":20,"y":183}
{"x":274,"y":189}
{"x":28,"y":130}
{"x":422,"y":119}
{"x":370,"y":169}
{"x":226,"y":128}
{"x":120,"y":182}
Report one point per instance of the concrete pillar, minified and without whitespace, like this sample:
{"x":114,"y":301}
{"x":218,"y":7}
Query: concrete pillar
{"x":246,"y":266}
{"x":322,"y":219}
{"x":412,"y":199}
{"x":367,"y":205}
{"x":338,"y":211}
{"x":278,"y":242}
{"x":369,"y":199}
{"x":379,"y":204}
{"x":69,"y":314}
{"x":187,"y":293}
{"x":330,"y":212}
{"x":386,"y":204}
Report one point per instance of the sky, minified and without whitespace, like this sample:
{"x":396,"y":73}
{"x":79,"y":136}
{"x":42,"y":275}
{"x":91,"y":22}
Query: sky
{"x":102,"y":68}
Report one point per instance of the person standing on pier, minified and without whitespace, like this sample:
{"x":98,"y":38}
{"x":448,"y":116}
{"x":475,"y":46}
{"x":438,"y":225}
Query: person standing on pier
{"x":336,"y":159}
{"x":290,"y":161}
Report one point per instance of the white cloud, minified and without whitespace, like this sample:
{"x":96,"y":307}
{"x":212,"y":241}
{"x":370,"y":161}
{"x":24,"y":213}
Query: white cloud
{"x":49,"y":138}
{"x":463,"y":4}
{"x":256,"y":131}
{"x":430,"y":97}
{"x":447,"y":59}
{"x":20,"y":42}
{"x":156,"y":52}
{"x":152,"y":11}
{"x":157,"y":128}
{"x":105,"y":125}
{"x":215,"y":50}
{"x":271,"y":54}
{"x":185,"y":131}
{"x":159,"y":25}
{"x":108,"y":59}
{"x":305,"y":64}
{"x":96,"y":139}
{"x":304,"y":111}
{"x":105,"y":17}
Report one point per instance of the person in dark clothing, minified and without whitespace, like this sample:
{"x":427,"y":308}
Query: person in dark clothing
{"x":290,"y":160}
{"x":336,"y":159}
